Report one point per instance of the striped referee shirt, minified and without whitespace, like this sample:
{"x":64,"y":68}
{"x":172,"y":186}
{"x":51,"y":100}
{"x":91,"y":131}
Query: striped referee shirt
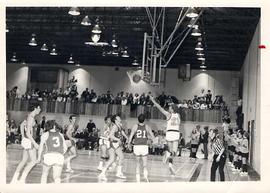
{"x":217,"y":146}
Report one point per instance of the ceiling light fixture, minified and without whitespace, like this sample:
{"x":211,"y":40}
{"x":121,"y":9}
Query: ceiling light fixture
{"x":33,"y":41}
{"x":203,"y":66}
{"x":199,"y":46}
{"x":86,"y":21}
{"x":70,"y":60}
{"x":14,"y":58}
{"x":196,"y":32}
{"x":200,"y":53}
{"x":7,"y":30}
{"x":135,"y":62}
{"x":201,"y":58}
{"x":77,"y":63}
{"x":96,"y":29}
{"x":192,"y":23}
{"x":192,"y":13}
{"x":53,"y":51}
{"x":44,"y":48}
{"x":125,"y":54}
{"x":75,"y":11}
{"x":95,"y":37}
{"x":114,"y":42}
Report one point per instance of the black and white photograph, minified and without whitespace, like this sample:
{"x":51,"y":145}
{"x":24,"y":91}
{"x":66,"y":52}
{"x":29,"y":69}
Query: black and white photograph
{"x":133,"y":94}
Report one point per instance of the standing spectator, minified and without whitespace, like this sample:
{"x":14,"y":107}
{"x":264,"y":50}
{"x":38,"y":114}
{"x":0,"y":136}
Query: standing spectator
{"x":219,"y":157}
{"x":93,"y":96}
{"x":91,"y":128}
{"x":162,"y":99}
{"x":142,"y":99}
{"x":195,"y":137}
{"x":85,"y":95}
{"x":204,"y":141}
{"x":208,"y":97}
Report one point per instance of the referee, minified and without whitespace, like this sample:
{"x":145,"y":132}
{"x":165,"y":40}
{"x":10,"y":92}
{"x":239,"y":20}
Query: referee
{"x":219,"y":158}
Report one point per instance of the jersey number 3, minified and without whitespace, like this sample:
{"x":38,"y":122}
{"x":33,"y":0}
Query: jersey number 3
{"x":56,"y":141}
{"x":141,"y":134}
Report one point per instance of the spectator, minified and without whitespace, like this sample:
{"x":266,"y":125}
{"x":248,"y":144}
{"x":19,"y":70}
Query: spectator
{"x":208,"y":97}
{"x":195,"y":136}
{"x":136,"y":99}
{"x":93,"y":96}
{"x":73,"y":93}
{"x":181,"y":144}
{"x":86,"y":95}
{"x":162,"y":99}
{"x":118,"y":99}
{"x":130,"y":99}
{"x":142,"y":99}
{"x":196,"y":105}
{"x":204,"y":141}
{"x":195,"y":99}
{"x":203,"y":106}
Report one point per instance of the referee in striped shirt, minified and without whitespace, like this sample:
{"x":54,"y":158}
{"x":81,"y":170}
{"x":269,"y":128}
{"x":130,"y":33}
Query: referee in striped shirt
{"x":219,"y":158}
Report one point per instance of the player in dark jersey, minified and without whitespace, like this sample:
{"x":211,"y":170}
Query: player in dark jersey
{"x":116,"y":147}
{"x":141,"y":133}
{"x":55,"y":147}
{"x":29,"y":145}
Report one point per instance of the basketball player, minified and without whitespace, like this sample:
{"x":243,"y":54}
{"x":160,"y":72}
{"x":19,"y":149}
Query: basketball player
{"x":29,"y":146}
{"x":104,"y":142}
{"x":141,"y":133}
{"x":172,"y":132}
{"x":70,"y":142}
{"x":244,"y":151}
{"x":54,"y":155}
{"x":116,"y":148}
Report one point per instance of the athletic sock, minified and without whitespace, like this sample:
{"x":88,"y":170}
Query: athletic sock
{"x":145,"y":173}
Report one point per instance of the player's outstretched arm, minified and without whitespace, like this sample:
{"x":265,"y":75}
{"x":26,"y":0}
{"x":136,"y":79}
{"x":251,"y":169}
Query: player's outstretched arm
{"x":163,"y":111}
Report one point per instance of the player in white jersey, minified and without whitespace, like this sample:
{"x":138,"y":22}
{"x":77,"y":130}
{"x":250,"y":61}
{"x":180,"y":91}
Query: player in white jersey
{"x":116,"y":148}
{"x":172,"y":132}
{"x":104,"y":142}
{"x":70,"y":142}
{"x":29,"y":145}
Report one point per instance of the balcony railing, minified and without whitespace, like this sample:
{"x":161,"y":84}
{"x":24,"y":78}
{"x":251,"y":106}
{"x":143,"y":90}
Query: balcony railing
{"x":129,"y":111}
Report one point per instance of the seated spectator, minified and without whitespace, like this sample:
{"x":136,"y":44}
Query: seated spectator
{"x":196,"y":105}
{"x":203,"y":106}
{"x":190,"y":104}
{"x":195,"y":99}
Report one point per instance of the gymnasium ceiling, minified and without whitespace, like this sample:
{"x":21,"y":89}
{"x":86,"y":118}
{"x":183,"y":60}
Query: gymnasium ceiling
{"x":227,"y":33}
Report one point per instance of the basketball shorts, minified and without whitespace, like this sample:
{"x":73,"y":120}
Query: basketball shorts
{"x":172,"y":135}
{"x":51,"y":159}
{"x":115,"y":145}
{"x":104,"y":142}
{"x":26,"y":143}
{"x":140,"y":150}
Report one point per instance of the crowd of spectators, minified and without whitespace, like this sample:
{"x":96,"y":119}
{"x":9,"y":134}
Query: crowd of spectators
{"x":203,"y":101}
